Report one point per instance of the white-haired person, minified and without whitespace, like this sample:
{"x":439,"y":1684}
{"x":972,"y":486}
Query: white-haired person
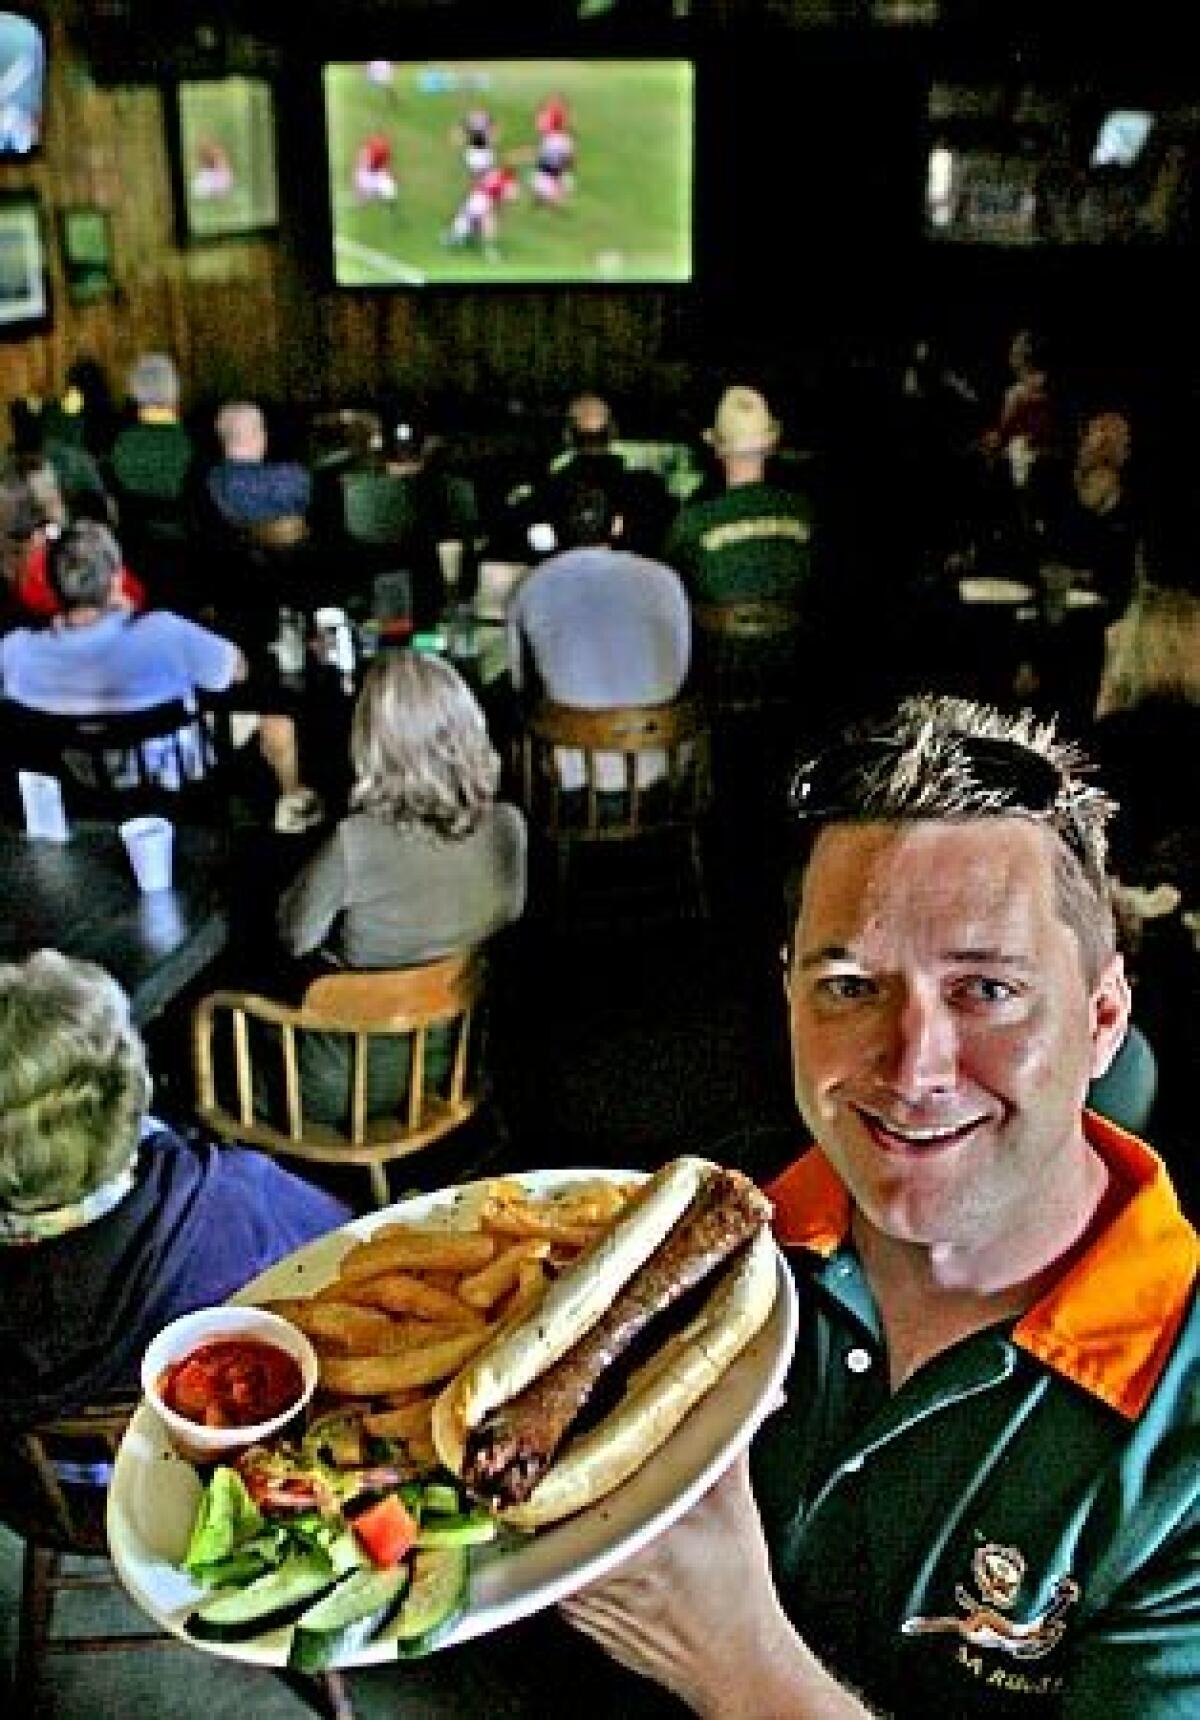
{"x":111,"y":1224}
{"x":151,"y":458}
{"x":981,"y":1495}
{"x":427,"y":862}
{"x":246,"y":488}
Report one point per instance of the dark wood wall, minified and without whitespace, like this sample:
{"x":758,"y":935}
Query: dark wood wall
{"x":809,"y":177}
{"x":245,"y":316}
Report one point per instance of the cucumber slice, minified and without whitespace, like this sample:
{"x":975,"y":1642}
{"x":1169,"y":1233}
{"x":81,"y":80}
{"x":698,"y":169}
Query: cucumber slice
{"x":435,"y":1601}
{"x":341,"y":1622}
{"x":277,"y":1599}
{"x":468,"y":1529}
{"x":441,"y":1498}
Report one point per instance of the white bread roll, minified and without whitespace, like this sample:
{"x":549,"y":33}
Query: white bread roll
{"x":569,"y":1309}
{"x":658,"y":1396}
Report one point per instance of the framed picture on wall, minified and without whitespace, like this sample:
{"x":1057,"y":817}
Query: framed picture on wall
{"x":85,"y":241}
{"x":223,"y":158}
{"x":24,"y":288}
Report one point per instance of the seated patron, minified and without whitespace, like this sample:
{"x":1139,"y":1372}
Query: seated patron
{"x":111,"y":1224}
{"x":754,"y":539}
{"x":246,"y":488}
{"x":979,"y":1496}
{"x":595,"y":627}
{"x":33,"y":513}
{"x":426,"y":863}
{"x":97,"y":658}
{"x":151,"y":468}
{"x":592,"y":458}
{"x":151,"y":459}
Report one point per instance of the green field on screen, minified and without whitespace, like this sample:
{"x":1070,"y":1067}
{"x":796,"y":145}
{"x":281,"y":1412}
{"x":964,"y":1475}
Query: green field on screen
{"x":626,"y":218}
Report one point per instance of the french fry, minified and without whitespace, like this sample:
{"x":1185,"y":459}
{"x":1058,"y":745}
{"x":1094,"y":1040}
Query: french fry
{"x":405,"y":1396}
{"x":483,"y":1288}
{"x":412,"y":1420}
{"x":598,"y":1203}
{"x":503,"y":1218}
{"x":421,"y":1449}
{"x":339,"y":1325}
{"x":403,"y":1249}
{"x":404,"y":1293}
{"x":368,"y":1376}
{"x":528,"y":1290}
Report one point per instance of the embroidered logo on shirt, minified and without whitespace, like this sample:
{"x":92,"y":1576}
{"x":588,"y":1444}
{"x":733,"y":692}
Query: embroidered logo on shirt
{"x":999,"y":1572}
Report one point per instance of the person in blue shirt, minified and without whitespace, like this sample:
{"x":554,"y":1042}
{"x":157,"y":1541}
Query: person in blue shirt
{"x":111,"y":1223}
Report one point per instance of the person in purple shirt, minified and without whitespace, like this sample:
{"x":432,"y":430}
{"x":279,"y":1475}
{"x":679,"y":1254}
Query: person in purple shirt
{"x":111,"y":1224}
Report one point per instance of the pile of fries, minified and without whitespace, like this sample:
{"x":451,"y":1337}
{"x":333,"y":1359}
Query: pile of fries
{"x":412,"y":1305}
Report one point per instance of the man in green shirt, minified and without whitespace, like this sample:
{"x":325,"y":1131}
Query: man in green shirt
{"x":982,"y":1496}
{"x":754,"y":539}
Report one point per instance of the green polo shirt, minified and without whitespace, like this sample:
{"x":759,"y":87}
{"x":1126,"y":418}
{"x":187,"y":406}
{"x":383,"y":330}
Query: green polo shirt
{"x":1016,"y":1530}
{"x":753,"y":540}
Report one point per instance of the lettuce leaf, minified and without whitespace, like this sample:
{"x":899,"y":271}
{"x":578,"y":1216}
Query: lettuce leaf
{"x":227,"y":1517}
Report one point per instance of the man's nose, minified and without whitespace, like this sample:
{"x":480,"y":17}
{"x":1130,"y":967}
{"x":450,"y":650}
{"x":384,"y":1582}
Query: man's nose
{"x":922,"y":1051}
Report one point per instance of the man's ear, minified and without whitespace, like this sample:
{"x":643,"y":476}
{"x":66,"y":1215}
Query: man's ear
{"x":1110,"y":1006}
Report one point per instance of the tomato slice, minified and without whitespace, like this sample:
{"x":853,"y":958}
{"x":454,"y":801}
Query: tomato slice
{"x":386,"y":1530}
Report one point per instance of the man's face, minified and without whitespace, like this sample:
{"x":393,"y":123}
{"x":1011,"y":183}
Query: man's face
{"x":943,"y":1031}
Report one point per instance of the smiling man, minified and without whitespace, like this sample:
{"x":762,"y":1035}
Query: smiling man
{"x":983,"y":1493}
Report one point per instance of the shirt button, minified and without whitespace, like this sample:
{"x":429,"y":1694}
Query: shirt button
{"x":858,"y":1360}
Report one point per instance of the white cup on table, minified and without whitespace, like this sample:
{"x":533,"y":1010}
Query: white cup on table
{"x":149,"y":842}
{"x":42,"y":801}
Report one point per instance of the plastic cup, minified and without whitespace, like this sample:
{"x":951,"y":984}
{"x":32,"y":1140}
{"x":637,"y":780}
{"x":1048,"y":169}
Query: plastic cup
{"x":200,"y":1443}
{"x":42,"y":801}
{"x":149,"y":842}
{"x":450,"y":555}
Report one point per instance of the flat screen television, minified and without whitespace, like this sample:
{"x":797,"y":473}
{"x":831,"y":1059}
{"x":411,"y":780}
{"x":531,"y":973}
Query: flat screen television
{"x":510,"y":172}
{"x":224,"y":157}
{"x":22,"y":84}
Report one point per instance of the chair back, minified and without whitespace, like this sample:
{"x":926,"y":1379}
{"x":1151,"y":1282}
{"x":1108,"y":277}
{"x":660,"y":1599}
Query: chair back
{"x":369,"y":1009}
{"x":53,"y":1477}
{"x":667,"y":800}
{"x":114,"y":764}
{"x":283,"y":532}
{"x":747,"y":653}
{"x":379,"y":508}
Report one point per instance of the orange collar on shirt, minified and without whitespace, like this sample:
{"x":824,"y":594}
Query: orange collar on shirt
{"x":1110,"y":1321}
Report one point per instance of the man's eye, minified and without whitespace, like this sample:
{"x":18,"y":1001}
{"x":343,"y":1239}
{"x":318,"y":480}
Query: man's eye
{"x":982,"y":989}
{"x":845,"y":987}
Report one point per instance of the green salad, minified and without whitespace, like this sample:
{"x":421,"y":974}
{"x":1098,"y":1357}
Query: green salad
{"x":343,"y":1553}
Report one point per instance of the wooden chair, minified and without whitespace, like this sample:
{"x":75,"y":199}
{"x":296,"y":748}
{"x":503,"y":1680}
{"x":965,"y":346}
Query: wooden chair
{"x":283,"y":532}
{"x":112,"y":766}
{"x":53,"y":1491}
{"x":747,"y":654}
{"x":380,"y":509}
{"x":368,"y":1008}
{"x":671,"y":807}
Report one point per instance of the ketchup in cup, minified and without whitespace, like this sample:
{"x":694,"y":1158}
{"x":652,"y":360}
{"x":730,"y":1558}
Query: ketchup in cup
{"x":220,"y":1379}
{"x":232,"y":1382}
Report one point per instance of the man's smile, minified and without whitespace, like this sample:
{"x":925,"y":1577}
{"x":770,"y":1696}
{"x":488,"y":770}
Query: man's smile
{"x":893,"y":1136}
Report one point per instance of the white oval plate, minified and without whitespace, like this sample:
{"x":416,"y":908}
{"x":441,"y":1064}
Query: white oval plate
{"x":153,"y":1495}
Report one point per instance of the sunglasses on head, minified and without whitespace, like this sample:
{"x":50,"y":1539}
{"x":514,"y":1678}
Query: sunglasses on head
{"x":837,"y":783}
